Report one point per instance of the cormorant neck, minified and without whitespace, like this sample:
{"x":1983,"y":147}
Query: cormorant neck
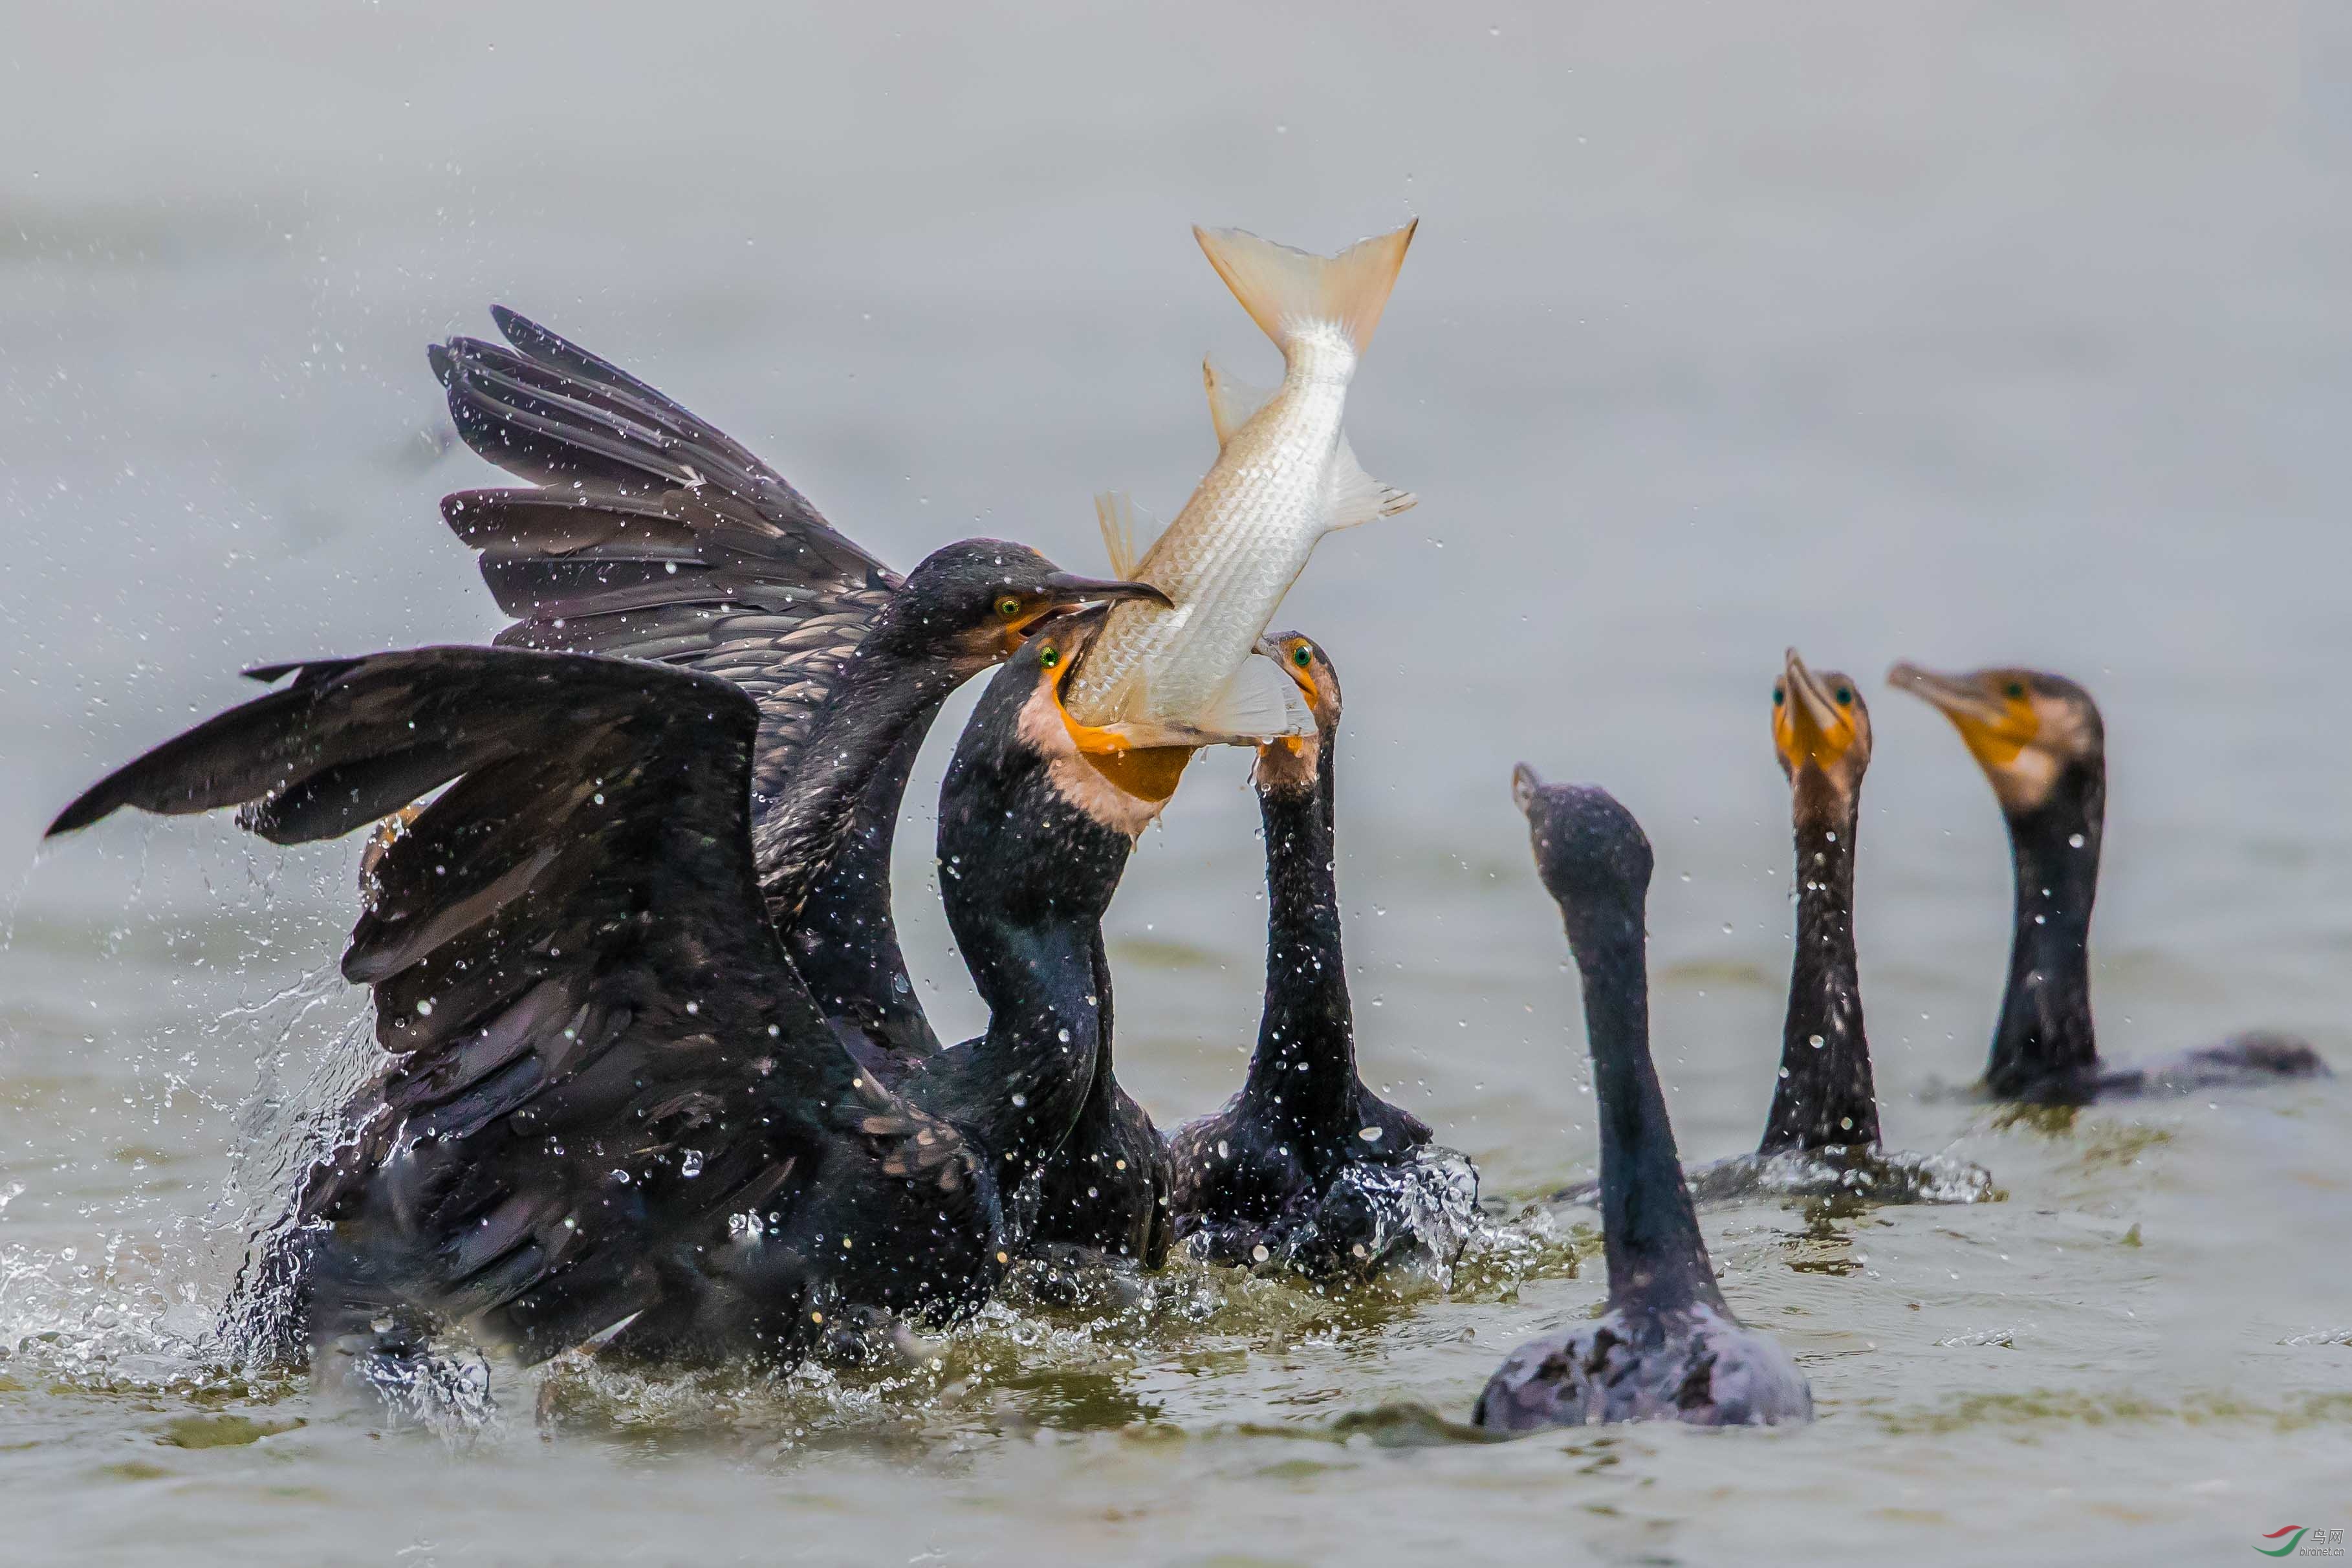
{"x":1824,"y":1097}
{"x":845,"y":944}
{"x":2045,"y":1040}
{"x":1020,"y":1086}
{"x":1302,"y":1073}
{"x":884,"y":691}
{"x":1025,"y":873}
{"x":1650,"y":1236}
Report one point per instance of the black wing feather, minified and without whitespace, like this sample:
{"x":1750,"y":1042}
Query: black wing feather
{"x":658,"y":537}
{"x":572,"y":970}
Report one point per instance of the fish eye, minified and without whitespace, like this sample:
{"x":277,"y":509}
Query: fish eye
{"x":1844,"y":695}
{"x":2017,"y":689}
{"x":1778,"y":697}
{"x":1049,"y":656}
{"x":1008,"y":606}
{"x":1302,"y":656}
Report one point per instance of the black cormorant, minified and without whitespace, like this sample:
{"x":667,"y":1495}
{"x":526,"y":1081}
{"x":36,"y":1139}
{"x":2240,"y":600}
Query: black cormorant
{"x":1306,"y":1166}
{"x":654,"y":535}
{"x":612,"y":1108}
{"x":2043,"y":746}
{"x":1667,"y":1346}
{"x":1822,"y":1134}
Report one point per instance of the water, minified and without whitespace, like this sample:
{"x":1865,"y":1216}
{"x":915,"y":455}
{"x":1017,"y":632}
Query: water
{"x":1959,"y":333}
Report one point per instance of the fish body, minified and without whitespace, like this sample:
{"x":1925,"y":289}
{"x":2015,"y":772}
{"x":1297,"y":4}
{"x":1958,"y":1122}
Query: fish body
{"x":1284,"y":479}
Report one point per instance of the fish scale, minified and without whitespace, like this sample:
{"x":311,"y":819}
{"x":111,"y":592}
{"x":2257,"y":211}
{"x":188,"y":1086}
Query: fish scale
{"x":1284,"y":479}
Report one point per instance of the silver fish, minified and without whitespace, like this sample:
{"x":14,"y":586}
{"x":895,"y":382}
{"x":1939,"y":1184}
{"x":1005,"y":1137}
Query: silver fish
{"x":1285,"y":478}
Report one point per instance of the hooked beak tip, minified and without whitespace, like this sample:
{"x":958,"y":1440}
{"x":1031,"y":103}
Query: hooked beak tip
{"x":1106,"y":590}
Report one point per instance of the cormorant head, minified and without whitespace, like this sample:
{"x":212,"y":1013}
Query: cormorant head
{"x":1821,"y":727}
{"x":1592,"y":856}
{"x":2027,"y":729}
{"x":1295,"y":761}
{"x":979,"y":599}
{"x":1117,"y":788}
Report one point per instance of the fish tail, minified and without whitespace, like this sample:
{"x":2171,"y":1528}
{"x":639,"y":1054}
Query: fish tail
{"x":1287,"y":292}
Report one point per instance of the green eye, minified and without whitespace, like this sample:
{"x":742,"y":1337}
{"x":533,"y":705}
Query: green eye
{"x":1049,"y":656}
{"x":1778,"y":697}
{"x":1008,"y":606}
{"x":1302,"y":656}
{"x":1845,"y":697}
{"x":2017,"y":689}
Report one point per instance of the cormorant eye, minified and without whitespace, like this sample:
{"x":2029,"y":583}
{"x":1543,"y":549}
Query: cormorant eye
{"x":2017,"y":689}
{"x":1008,"y":606}
{"x":1049,"y":656}
{"x":1844,"y":696}
{"x":1302,"y":656}
{"x":1778,"y":697}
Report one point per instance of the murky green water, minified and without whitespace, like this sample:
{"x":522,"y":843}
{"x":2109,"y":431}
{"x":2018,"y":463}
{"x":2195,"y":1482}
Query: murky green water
{"x":1955,"y":333}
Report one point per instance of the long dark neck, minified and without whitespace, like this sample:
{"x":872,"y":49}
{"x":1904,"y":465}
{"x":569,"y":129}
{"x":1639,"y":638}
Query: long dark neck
{"x":845,"y":944}
{"x":1656,"y":1255}
{"x":1021,"y":1086}
{"x":2043,"y":1043}
{"x":1025,"y":874}
{"x":1302,"y":1073}
{"x":1824,"y":1097}
{"x":884,"y":692}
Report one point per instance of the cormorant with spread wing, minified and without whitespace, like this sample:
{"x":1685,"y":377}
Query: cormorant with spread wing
{"x":612,"y":1107}
{"x":653,"y":535}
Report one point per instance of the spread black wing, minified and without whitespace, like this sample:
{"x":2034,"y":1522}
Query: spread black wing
{"x":600,"y":1049}
{"x":655,"y":535}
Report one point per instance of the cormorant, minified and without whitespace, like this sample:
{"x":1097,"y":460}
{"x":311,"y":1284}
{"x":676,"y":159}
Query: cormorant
{"x":1822,"y":1134}
{"x":1104,"y":1186}
{"x":613,"y":1108}
{"x":1306,"y":1166}
{"x":2043,"y":747}
{"x":657,"y":536}
{"x":1667,"y":1346}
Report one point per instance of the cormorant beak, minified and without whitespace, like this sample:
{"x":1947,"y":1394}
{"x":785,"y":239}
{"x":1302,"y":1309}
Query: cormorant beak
{"x":1524,"y":781}
{"x":1809,"y":723}
{"x":1996,"y":728}
{"x":1073,"y":591}
{"x":1068,"y":592}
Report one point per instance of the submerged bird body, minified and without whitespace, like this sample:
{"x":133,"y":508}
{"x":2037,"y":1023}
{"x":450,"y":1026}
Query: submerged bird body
{"x":654,"y":535}
{"x":2041,"y":743}
{"x":1306,"y":1166}
{"x":1667,"y":1347}
{"x":1283,"y":479}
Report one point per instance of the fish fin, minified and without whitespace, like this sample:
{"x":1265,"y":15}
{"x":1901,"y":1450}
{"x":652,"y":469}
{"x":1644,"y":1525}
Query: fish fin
{"x":1129,"y":531}
{"x":1353,"y":495}
{"x":1259,"y":702}
{"x":1115,"y":515}
{"x":1284,"y":290}
{"x":1230,"y":401}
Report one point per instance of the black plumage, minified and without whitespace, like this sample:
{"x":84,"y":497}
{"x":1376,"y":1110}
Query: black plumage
{"x":654,"y":535}
{"x":1305,"y":1166}
{"x":2040,"y":741}
{"x":1824,"y":1097}
{"x":1667,"y":1346}
{"x":612,"y":1105}
{"x":1018,"y":796}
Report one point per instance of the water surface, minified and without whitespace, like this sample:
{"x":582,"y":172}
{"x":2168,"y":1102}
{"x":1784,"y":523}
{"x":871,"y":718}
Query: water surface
{"x":1958,"y":332}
